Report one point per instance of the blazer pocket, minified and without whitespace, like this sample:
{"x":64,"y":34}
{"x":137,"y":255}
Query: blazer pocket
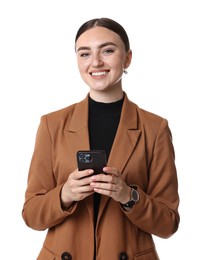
{"x":150,"y":254}
{"x":45,"y":254}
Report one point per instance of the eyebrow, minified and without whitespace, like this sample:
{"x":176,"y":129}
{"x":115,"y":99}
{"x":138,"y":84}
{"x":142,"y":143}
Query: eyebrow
{"x":100,"y":46}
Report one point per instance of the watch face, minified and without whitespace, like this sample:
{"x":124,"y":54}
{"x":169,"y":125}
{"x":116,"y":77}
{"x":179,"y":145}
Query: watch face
{"x":135,"y":196}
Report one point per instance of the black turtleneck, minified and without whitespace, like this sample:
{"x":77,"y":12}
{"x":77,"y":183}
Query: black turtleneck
{"x":103,"y":123}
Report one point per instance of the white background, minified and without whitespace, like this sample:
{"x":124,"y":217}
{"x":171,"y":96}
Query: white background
{"x":168,"y":76}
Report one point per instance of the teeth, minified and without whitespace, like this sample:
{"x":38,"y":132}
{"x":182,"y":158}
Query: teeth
{"x":101,"y":73}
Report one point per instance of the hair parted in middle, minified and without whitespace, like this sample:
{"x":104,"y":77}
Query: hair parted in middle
{"x":107,"y":23}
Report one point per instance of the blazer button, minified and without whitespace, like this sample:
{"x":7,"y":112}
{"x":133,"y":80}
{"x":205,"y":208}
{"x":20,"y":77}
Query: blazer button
{"x":123,"y":256}
{"x":66,"y":256}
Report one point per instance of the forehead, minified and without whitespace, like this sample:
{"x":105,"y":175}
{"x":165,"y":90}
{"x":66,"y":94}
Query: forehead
{"x":98,"y":35}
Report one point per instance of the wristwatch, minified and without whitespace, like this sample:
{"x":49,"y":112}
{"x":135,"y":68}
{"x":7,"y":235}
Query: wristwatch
{"x":134,"y":198}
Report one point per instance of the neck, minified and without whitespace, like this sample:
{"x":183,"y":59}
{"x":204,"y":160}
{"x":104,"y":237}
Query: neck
{"x":106,"y":96}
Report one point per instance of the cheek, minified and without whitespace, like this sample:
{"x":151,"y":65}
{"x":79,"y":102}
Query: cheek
{"x":118,"y":62}
{"x":82,"y":66}
{"x":118,"y":66}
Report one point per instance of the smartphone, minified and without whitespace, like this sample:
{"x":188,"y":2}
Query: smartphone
{"x":91,"y":159}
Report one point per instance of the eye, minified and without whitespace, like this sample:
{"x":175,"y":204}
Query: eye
{"x":84,"y":54}
{"x":108,"y":51}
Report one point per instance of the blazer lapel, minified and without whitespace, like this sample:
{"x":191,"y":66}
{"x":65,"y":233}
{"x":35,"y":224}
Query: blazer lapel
{"x":78,"y":136}
{"x":127,"y":136}
{"x":126,"y":139}
{"x":78,"y":127}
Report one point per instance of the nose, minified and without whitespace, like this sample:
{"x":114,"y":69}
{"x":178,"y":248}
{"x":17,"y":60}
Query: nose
{"x":96,"y":60}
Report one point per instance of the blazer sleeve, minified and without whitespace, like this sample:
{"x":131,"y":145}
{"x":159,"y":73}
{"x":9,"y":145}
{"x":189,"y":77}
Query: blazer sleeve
{"x":42,"y":206}
{"x":157,"y":211}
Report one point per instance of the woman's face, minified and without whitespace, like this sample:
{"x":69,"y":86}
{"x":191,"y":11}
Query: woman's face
{"x":101,"y":57}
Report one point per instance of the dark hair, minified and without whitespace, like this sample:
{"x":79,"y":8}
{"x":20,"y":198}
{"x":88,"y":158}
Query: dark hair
{"x":107,"y":23}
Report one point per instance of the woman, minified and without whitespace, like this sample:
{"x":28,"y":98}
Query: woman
{"x":111,"y":215}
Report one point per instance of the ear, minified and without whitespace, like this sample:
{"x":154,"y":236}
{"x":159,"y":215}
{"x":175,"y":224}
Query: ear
{"x":128,"y":59}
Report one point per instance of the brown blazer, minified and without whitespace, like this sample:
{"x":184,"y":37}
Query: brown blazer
{"x":142,"y":151}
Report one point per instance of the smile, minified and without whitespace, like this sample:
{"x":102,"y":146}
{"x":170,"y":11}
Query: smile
{"x":99,"y":73}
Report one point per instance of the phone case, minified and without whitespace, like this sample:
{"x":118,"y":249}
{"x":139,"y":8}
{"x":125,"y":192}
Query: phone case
{"x":92,"y":159}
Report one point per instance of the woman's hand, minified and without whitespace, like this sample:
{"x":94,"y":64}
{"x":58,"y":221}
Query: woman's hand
{"x":111,"y":184}
{"x":77,"y":187}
